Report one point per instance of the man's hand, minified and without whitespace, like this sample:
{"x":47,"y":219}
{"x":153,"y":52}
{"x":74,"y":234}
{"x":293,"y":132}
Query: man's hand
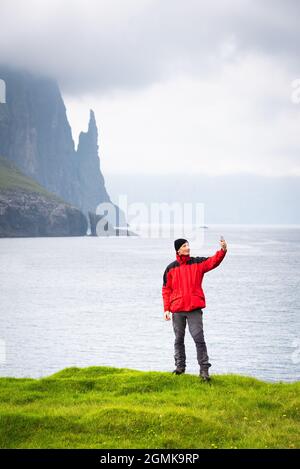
{"x":223,"y":244}
{"x":167,"y":315}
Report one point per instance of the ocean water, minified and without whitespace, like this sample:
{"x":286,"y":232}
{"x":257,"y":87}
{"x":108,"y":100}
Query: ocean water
{"x":89,"y":301}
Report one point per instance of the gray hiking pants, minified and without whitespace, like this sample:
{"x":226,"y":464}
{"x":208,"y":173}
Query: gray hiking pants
{"x":195,"y":323}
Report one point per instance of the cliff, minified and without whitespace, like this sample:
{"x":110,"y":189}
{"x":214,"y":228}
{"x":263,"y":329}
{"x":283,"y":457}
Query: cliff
{"x":27,"y":209}
{"x":35,"y":134}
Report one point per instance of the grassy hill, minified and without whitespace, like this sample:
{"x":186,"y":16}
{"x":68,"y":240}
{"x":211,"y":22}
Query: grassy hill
{"x":13,"y":178}
{"x":105,"y":407}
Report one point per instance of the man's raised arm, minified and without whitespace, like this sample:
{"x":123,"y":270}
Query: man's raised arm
{"x":213,"y":261}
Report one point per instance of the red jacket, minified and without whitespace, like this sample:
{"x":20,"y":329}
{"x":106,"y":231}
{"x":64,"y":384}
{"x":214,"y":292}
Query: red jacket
{"x":182,"y":281}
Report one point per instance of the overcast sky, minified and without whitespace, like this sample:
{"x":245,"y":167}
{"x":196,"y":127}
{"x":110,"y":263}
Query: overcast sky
{"x":176,"y":85}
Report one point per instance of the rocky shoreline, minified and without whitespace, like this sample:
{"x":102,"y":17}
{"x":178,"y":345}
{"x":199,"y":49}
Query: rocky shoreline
{"x":26,"y":213}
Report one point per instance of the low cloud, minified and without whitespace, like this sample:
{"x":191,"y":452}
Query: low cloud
{"x":104,"y":45}
{"x":204,"y":85}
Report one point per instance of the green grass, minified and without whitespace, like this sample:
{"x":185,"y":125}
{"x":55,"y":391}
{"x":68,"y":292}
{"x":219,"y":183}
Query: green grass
{"x":13,"y":178}
{"x":104,"y":407}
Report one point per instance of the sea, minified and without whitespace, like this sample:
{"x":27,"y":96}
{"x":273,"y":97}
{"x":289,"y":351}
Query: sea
{"x":97,"y":301}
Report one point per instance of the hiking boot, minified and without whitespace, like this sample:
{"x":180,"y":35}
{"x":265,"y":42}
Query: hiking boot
{"x":179,"y":371}
{"x":204,"y":375}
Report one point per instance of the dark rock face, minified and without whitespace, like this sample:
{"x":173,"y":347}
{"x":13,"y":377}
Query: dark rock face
{"x":25,"y":213}
{"x":35,"y":134}
{"x":91,"y":180}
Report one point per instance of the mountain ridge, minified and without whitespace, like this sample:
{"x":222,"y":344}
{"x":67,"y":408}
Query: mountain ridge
{"x":36,"y":135}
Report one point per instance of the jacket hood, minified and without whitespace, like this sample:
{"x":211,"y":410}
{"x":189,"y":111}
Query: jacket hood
{"x":182,"y":259}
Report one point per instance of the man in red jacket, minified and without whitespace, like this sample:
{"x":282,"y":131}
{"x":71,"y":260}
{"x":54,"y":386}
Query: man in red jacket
{"x":183,"y":296}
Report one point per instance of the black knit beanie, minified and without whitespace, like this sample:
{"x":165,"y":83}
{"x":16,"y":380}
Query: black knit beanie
{"x":179,"y":242}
